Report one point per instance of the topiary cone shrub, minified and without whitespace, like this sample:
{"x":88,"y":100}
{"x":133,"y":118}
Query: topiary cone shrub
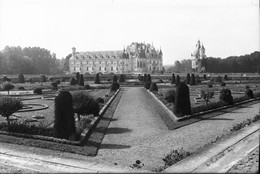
{"x":114,"y":86}
{"x":64,"y":123}
{"x":170,"y":96}
{"x":122,"y":78}
{"x":8,"y":106}
{"x":20,"y":78}
{"x":145,"y":78}
{"x":7,"y":86}
{"x":249,"y":93}
{"x":81,"y":80}
{"x":204,"y":77}
{"x":149,"y":79}
{"x":225,"y":77}
{"x":188,"y":78}
{"x":178,"y":80}
{"x":73,"y":81}
{"x":97,"y":80}
{"x":43,"y":78}
{"x":115,"y":79}
{"x":225,"y":95}
{"x":182,"y":105}
{"x":198,"y":81}
{"x":77,"y":77}
{"x":192,"y":81}
{"x":153,"y":87}
{"x":173,"y":79}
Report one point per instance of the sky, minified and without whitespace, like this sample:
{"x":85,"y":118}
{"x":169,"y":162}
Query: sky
{"x":225,"y":27}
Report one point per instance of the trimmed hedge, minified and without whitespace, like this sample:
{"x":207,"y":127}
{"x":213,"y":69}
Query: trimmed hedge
{"x":182,"y":100}
{"x":153,"y":87}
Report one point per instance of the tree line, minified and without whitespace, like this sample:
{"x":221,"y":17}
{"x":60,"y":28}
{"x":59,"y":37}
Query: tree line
{"x":29,"y":60}
{"x":249,"y":63}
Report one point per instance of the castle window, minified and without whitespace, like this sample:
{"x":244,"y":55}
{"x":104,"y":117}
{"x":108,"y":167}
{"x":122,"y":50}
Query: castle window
{"x":111,"y":68}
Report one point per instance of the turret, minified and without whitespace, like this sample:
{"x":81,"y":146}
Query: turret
{"x":202,"y":52}
{"x":73,"y":51}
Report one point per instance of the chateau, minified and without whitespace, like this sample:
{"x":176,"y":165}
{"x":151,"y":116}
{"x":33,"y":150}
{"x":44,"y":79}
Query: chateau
{"x":197,"y":56}
{"x":135,"y":58}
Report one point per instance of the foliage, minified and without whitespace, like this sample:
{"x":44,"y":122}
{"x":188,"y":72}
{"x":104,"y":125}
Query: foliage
{"x":147,"y":85}
{"x":245,"y":123}
{"x":21,"y":78}
{"x":153,"y":87}
{"x":173,"y":79}
{"x":114,"y":79}
{"x":170,"y":96}
{"x":7,"y":86}
{"x":149,"y":79}
{"x":8,"y":106}
{"x":225,"y":77}
{"x":6,"y":79}
{"x":222,"y":84}
{"x":218,"y":79}
{"x":64,"y":123}
{"x":84,"y":104}
{"x":182,"y":100}
{"x":54,"y":85}
{"x":198,"y":81}
{"x":97,"y":80}
{"x":81,"y":80}
{"x":122,"y":78}
{"x":249,"y":93}
{"x":114,"y":86}
{"x":73,"y":81}
{"x":192,"y":81}
{"x":37,"y":91}
{"x":57,"y":81}
{"x":50,"y":78}
{"x":100,"y":100}
{"x":225,"y":95}
{"x":210,"y":85}
{"x":188,"y":78}
{"x":21,"y":88}
{"x":204,"y":77}
{"x":43,"y":78}
{"x":178,"y":80}
{"x":140,"y":78}
{"x":175,"y":156}
{"x":77,"y":77}
{"x":87,"y":86}
{"x":145,"y":77}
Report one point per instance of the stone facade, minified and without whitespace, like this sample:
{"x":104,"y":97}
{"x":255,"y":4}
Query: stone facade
{"x":197,"y":56}
{"x":136,"y":58}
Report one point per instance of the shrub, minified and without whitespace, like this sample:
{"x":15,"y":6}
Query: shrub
{"x":170,"y":96}
{"x":121,"y":78}
{"x":57,"y":81}
{"x":21,"y":88}
{"x":178,"y":80}
{"x":198,"y":81}
{"x":54,"y":85}
{"x":84,"y":104}
{"x":73,"y":81}
{"x":43,"y":78}
{"x":64,"y":122}
{"x":145,"y":78}
{"x":87,"y":86}
{"x":114,"y":79}
{"x":140,"y":78}
{"x":225,"y":95}
{"x":249,"y":93}
{"x":7,"y":86}
{"x":147,"y":85}
{"x":21,"y":78}
{"x":100,"y":100}
{"x":77,"y":77}
{"x":188,"y":78}
{"x":81,"y":80}
{"x":8,"y":106}
{"x":204,"y":77}
{"x":149,"y":79}
{"x":175,"y":156}
{"x":37,"y":91}
{"x":210,"y":85}
{"x":97,"y":80}
{"x":153,"y":87}
{"x":218,"y":79}
{"x":182,"y":100}
{"x":114,"y":86}
{"x":192,"y":81}
{"x":30,"y":80}
{"x":50,"y":78}
{"x":222,"y":84}
{"x":173,"y":79}
{"x":6,"y":79}
{"x":225,"y":77}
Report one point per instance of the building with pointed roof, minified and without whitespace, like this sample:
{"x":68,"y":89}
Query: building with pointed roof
{"x":136,"y":58}
{"x":197,"y":56}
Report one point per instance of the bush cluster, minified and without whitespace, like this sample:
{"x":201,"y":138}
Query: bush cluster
{"x":114,"y":86}
{"x":153,"y":87}
{"x":73,"y":81}
{"x":43,"y":78}
{"x":225,"y":95}
{"x":37,"y":91}
{"x":249,"y":93}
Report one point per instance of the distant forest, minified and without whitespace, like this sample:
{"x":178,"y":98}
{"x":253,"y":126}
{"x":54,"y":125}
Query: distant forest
{"x":233,"y":64}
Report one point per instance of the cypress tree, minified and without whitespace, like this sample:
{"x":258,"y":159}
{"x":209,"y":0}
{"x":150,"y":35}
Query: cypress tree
{"x":97,"y":81}
{"x":77,"y":77}
{"x":173,"y":79}
{"x":81,"y":80}
{"x":182,"y":100}
{"x":192,"y":82}
{"x":188,"y":78}
{"x":21,"y":78}
{"x":178,"y":80}
{"x":64,"y":123}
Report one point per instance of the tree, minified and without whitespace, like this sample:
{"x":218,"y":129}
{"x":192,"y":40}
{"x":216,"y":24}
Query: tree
{"x":188,"y":79}
{"x":178,"y":80}
{"x":153,"y":87}
{"x":115,"y":79}
{"x":149,"y":79}
{"x":8,"y":106}
{"x":97,"y":81}
{"x":182,"y":100}
{"x":193,"y":81}
{"x":64,"y":122}
{"x":7,"y":86}
{"x":122,"y":78}
{"x":81,"y":80}
{"x":145,"y":77}
{"x":225,"y":95}
{"x":177,"y":65}
{"x":21,"y":78}
{"x":73,"y":81}
{"x":173,"y":79}
{"x":77,"y":77}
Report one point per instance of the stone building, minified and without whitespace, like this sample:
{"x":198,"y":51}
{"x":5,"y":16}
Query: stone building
{"x":197,"y":56}
{"x":135,"y":58}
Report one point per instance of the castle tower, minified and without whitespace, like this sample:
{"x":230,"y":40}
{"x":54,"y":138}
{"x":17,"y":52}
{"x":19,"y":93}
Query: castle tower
{"x":197,"y":55}
{"x":73,"y":51}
